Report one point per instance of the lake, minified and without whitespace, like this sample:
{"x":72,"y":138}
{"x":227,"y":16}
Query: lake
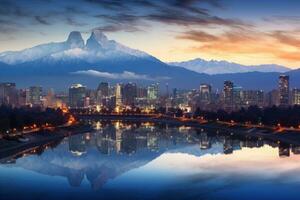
{"x":153,"y":161}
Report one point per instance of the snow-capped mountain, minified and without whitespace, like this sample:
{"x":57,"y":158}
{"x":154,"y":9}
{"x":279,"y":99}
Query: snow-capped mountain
{"x":224,"y":67}
{"x":75,"y":60}
{"x":60,"y":64}
{"x":98,"y":47}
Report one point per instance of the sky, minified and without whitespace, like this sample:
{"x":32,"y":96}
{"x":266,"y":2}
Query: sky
{"x":247,"y":32}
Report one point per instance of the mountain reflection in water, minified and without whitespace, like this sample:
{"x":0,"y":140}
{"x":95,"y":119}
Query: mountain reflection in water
{"x":154,"y":159}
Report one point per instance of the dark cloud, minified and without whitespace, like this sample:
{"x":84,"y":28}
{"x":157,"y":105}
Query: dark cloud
{"x":175,"y":12}
{"x":72,"y":22}
{"x":116,"y":15}
{"x":41,"y":20}
{"x":116,"y":28}
{"x":199,"y":36}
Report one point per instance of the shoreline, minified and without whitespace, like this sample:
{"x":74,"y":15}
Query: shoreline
{"x":288,"y":137}
{"x":9,"y":148}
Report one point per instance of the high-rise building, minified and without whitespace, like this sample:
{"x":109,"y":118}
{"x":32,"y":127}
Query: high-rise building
{"x":237,"y":97}
{"x":35,"y":95}
{"x":152,"y":93}
{"x":23,"y":97}
{"x":228,"y":94}
{"x":272,"y":98}
{"x":141,"y":92}
{"x":77,"y":94}
{"x":284,"y":90}
{"x":119,"y":95}
{"x":253,"y":97}
{"x":8,"y":94}
{"x":174,"y":93}
{"x":50,"y":99}
{"x":205,"y":93}
{"x":129,"y":94}
{"x":296,"y":96}
{"x":103,"y":89}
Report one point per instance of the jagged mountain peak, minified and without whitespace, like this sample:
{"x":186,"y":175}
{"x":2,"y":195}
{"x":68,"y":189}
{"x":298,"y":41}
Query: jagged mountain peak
{"x":98,"y":41}
{"x":75,"y":40}
{"x":99,"y":36}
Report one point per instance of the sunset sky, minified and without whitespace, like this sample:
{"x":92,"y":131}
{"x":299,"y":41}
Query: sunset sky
{"x":247,"y":32}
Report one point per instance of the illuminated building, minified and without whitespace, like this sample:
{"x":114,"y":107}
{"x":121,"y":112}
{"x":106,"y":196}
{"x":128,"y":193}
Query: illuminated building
{"x":35,"y":94}
{"x":205,"y":93}
{"x":102,"y":93}
{"x":23,"y":97}
{"x":8,"y":94}
{"x":119,"y":95}
{"x":296,"y":96}
{"x":228,"y":94}
{"x":103,"y":89}
{"x":50,"y":99}
{"x":141,"y":92}
{"x":237,"y":97}
{"x":77,"y":94}
{"x":152,"y":92}
{"x":253,"y":97}
{"x":129,"y":94}
{"x":284,"y":90}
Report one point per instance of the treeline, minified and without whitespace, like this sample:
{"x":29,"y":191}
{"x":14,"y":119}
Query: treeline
{"x":17,"y":118}
{"x":271,"y":116}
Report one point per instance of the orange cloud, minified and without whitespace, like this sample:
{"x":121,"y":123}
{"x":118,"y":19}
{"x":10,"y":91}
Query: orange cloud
{"x":281,"y":47}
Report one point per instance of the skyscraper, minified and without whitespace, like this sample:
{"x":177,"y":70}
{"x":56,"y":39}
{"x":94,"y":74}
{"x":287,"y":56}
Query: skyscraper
{"x":296,"y":96}
{"x":129,"y":94}
{"x":237,"y":97}
{"x":152,"y":93}
{"x":228,"y":94}
{"x":77,"y":94}
{"x":119,"y":95}
{"x":253,"y":97}
{"x":8,"y":94}
{"x":103,"y":89}
{"x":35,"y":94}
{"x":205,"y":93}
{"x":284,"y":90}
{"x":102,"y":93}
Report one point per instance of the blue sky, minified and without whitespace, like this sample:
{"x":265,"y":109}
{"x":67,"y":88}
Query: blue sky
{"x":247,"y":32}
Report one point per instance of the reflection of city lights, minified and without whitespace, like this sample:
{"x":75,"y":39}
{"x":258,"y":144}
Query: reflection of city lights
{"x":117,"y":109}
{"x":88,"y":137}
{"x":98,"y":125}
{"x":98,"y":108}
{"x":77,"y":153}
{"x":117,"y":125}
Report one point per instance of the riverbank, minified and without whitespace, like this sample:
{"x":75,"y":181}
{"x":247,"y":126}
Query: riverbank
{"x":287,"y":137}
{"x":9,"y":148}
{"x":13,"y":147}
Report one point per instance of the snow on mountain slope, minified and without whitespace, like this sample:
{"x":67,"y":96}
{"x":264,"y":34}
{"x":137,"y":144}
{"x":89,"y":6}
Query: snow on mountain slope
{"x":224,"y":67}
{"x":97,"y":47}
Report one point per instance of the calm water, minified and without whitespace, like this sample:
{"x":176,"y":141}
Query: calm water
{"x":144,"y":161}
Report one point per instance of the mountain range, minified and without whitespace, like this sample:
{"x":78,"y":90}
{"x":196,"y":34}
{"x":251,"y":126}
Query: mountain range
{"x":223,"y":67}
{"x":60,"y":64}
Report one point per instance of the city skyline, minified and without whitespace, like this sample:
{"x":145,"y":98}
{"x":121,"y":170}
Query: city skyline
{"x":244,"y":32}
{"x":120,"y":97}
{"x":149,"y":99}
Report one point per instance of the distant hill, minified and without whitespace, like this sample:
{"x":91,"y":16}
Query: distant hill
{"x":58,"y":65}
{"x":223,"y":67}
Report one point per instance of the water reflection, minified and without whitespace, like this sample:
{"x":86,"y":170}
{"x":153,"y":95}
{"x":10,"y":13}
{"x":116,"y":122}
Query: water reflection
{"x":142,"y":155}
